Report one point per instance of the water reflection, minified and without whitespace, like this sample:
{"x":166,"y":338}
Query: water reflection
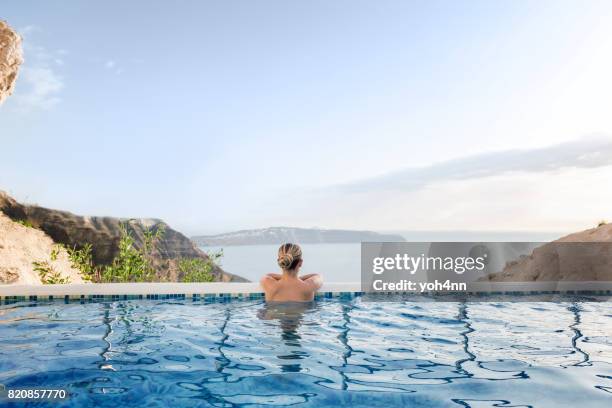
{"x":575,"y":309}
{"x":222,"y":361}
{"x":329,"y":354}
{"x":462,"y":316}
{"x":440,"y":337}
{"x":289,"y":316}
{"x":108,"y":330}
{"x":344,"y":339}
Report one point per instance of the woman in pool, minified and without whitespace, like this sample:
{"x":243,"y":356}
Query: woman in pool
{"x":289,"y":286}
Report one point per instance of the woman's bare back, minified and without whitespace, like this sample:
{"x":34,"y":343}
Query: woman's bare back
{"x":286,"y":288}
{"x":289,"y":286}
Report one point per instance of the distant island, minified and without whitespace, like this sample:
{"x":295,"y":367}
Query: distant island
{"x":279,"y":235}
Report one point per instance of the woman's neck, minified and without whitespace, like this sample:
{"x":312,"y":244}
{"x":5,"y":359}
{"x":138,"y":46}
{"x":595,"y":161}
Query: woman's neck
{"x":290,"y":274}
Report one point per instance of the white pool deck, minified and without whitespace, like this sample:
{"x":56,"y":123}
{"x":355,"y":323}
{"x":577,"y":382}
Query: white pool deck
{"x":188,"y":289}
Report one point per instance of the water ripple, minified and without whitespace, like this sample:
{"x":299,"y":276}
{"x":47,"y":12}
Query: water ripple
{"x":334,"y":353}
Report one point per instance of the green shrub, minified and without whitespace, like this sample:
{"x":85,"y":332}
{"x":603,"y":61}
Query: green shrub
{"x":151,"y":237}
{"x":55,"y":252}
{"x":25,"y":223}
{"x":82,"y":259}
{"x":195,"y":270}
{"x":129,"y":265}
{"x":48,"y":274}
{"x":132,"y":264}
{"x":198,"y":269}
{"x":46,"y":271}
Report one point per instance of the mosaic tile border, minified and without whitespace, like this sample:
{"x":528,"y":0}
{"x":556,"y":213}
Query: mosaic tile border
{"x":225,"y":292}
{"x":229,"y":297}
{"x":204,"y":297}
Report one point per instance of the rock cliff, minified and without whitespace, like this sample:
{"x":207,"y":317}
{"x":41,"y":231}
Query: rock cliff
{"x":581,"y":256}
{"x":104,"y":233}
{"x":10,"y":59}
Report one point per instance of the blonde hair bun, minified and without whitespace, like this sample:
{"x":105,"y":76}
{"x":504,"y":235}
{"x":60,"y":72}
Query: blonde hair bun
{"x":289,"y":256}
{"x":285,"y":260}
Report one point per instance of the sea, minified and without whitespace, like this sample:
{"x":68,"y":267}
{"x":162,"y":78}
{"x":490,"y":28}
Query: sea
{"x":342,"y":262}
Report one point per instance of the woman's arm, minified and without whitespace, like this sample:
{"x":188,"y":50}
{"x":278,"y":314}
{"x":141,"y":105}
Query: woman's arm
{"x":310,"y":275}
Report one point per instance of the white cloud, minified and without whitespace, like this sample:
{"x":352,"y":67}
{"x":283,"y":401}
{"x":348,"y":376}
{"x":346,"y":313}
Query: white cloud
{"x":39,"y":84}
{"x":565,"y":200}
{"x":568,"y":199}
{"x":585,"y":153}
{"x":43,"y":87}
{"x":113,"y":66}
{"x":27,"y":30}
{"x":561,"y":187}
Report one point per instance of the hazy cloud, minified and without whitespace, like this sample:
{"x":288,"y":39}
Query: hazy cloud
{"x":112,"y":65}
{"x":29,"y":29}
{"x":43,"y":88}
{"x":583,"y":153}
{"x":39,"y":84}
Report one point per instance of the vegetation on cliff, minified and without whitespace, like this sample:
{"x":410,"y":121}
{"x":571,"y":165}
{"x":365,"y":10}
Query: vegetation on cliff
{"x":198,"y":270}
{"x":133,"y":264}
{"x":106,"y":249}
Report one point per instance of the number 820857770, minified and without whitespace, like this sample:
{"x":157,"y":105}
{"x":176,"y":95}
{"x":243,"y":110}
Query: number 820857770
{"x":25,"y":394}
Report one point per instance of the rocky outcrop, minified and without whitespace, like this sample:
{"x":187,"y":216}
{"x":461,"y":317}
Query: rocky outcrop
{"x":280,"y":235}
{"x":21,"y":246}
{"x":10,"y":59}
{"x":582,"y":256}
{"x":104,"y":234}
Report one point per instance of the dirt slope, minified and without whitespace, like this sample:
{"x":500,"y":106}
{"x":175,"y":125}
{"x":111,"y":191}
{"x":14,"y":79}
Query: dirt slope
{"x":581,"y":256}
{"x":20,"y":246}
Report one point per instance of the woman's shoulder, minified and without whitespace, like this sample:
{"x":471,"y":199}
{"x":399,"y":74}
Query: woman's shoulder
{"x":269,"y":280}
{"x":313,"y":281}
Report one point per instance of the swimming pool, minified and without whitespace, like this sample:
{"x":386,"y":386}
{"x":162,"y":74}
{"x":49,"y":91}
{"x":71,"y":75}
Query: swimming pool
{"x":333,"y":353}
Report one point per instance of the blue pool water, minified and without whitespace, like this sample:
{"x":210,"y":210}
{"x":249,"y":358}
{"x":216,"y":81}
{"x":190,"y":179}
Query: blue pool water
{"x":334,"y":353}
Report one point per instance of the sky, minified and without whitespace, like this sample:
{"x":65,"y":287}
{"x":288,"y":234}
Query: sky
{"x":383,"y":115}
